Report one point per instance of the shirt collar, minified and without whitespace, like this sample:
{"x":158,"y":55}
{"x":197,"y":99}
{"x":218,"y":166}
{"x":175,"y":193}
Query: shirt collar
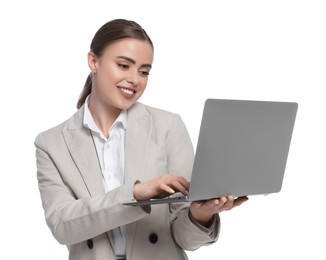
{"x":89,"y":122}
{"x":121,"y":119}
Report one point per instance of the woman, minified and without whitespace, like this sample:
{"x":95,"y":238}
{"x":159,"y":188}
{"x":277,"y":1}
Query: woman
{"x":114,"y":150}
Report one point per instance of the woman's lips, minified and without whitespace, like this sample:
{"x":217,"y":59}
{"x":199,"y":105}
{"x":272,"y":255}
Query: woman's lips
{"x":127,"y":92}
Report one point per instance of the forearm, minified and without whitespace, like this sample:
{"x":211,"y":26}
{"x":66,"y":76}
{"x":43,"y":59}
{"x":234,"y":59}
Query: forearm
{"x":76,"y":217}
{"x":73,"y":221}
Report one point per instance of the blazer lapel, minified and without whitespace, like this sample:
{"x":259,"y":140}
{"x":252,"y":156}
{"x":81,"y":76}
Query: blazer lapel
{"x":82,"y":149}
{"x":138,"y":133}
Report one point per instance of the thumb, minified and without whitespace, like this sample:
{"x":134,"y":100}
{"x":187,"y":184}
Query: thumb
{"x":196,"y":204}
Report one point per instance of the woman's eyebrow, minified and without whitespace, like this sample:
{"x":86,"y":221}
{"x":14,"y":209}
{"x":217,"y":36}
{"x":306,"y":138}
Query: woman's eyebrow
{"x":133,"y":61}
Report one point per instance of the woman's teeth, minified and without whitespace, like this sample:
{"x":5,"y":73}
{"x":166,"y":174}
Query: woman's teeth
{"x":127,"y":91}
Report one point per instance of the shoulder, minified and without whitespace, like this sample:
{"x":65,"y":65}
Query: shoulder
{"x":161,"y":114}
{"x":53,"y":134}
{"x":141,"y":110}
{"x":160,"y":118}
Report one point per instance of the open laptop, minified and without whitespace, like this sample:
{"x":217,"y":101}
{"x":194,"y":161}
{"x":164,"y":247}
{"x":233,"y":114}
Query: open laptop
{"x":242,"y":150}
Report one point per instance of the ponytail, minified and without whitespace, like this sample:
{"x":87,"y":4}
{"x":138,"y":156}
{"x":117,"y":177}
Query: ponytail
{"x":85,"y":92}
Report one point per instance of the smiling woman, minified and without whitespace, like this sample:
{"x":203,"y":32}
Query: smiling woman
{"x":108,"y":34}
{"x":115,"y":150}
{"x":119,"y":78}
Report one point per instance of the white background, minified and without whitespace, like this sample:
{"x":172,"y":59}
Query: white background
{"x":261,"y":50}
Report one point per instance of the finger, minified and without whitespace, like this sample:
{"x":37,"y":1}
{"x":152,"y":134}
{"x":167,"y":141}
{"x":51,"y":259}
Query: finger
{"x":213,"y":203}
{"x":239,"y":201}
{"x":219,"y":204}
{"x":177,"y":185}
{"x":166,"y":188}
{"x":197,"y":204}
{"x":229,"y":203}
{"x":184,"y":182}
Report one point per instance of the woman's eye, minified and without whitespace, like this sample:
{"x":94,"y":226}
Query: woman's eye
{"x":123,"y":66}
{"x":144,"y":73}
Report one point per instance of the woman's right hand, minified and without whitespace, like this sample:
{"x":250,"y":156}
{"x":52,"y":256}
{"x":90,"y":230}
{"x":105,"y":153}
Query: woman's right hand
{"x":161,"y":187}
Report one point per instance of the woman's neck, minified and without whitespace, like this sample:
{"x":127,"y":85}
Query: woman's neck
{"x":103,"y":115}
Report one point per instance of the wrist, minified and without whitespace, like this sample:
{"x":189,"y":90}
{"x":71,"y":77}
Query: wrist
{"x":204,"y":220}
{"x":207,"y":222}
{"x":135,"y":190}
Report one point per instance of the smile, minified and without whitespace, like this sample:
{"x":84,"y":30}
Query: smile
{"x":127,"y":91}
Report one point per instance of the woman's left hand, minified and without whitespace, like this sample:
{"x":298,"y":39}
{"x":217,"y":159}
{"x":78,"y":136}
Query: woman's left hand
{"x":203,"y":211}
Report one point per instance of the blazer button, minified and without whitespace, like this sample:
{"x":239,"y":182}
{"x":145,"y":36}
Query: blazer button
{"x":153,"y":238}
{"x":90,"y":243}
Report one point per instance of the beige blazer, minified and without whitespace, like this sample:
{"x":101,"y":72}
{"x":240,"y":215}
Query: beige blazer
{"x":79,"y":212}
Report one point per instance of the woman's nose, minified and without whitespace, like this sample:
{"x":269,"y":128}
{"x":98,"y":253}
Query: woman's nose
{"x":133,"y":77}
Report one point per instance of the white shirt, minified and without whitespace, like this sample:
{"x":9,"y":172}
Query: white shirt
{"x":110,"y":152}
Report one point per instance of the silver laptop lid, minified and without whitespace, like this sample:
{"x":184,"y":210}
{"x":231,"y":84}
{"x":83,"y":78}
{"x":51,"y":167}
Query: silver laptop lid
{"x":242,"y":148}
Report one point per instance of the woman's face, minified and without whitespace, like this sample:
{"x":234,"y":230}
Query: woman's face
{"x":120,"y":75}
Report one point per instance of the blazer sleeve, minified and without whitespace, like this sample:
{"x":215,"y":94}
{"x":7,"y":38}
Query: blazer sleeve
{"x":187,"y":233}
{"x":73,"y":219}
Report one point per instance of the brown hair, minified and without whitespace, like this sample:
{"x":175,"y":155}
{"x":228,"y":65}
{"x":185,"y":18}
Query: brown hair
{"x":111,"y":31}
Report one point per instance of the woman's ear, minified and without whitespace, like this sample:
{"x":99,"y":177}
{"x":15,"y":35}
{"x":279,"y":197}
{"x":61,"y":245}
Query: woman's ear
{"x":92,"y":61}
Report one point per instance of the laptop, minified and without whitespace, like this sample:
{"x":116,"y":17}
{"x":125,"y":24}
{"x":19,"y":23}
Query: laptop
{"x":242,"y":150}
